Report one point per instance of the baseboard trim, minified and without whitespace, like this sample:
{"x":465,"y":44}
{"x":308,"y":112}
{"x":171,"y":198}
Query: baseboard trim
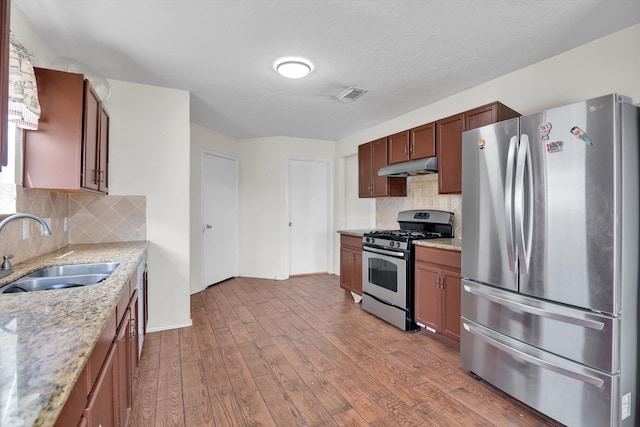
{"x":169,"y":327}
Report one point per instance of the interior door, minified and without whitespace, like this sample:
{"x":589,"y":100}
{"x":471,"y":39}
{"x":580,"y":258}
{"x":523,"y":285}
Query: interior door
{"x":219,"y":216}
{"x":309,"y":217}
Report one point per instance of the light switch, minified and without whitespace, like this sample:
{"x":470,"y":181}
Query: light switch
{"x":66,"y":223}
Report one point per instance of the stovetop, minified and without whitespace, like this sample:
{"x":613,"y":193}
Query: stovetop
{"x":405,"y":235}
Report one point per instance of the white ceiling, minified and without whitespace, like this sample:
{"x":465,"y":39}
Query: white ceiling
{"x":406,"y":53}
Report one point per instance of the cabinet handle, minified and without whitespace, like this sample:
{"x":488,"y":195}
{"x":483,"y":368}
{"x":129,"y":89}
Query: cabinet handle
{"x":405,"y":150}
{"x":132,"y":329}
{"x":411,"y":149}
{"x":100,"y":176}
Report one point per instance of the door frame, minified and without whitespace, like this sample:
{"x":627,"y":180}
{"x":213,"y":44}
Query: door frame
{"x":286,"y":235}
{"x":206,"y":152}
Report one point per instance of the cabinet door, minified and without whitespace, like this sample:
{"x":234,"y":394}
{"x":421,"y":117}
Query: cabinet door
{"x":422,"y":141}
{"x":103,"y":156}
{"x":488,"y":114}
{"x":428,"y":296}
{"x":122,"y":369}
{"x":133,"y":338}
{"x":364,"y":170}
{"x":398,"y":145}
{"x":449,"y":137}
{"x":357,"y":273}
{"x":52,"y":153}
{"x":101,"y":410}
{"x":451,"y":303}
{"x":346,"y":268}
{"x":379,"y":158}
{"x":91,"y":138}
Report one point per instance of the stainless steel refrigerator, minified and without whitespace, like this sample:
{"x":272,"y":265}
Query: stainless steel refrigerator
{"x":550,"y":256}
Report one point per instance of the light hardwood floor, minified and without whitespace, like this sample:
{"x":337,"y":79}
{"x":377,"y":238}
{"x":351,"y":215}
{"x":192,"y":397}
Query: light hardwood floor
{"x":300,"y":352}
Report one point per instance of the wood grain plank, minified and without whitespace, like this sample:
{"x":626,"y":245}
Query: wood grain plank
{"x":170,"y":413}
{"x":255,"y":411}
{"x":307,"y":404}
{"x":350,"y":418}
{"x":189,"y":347}
{"x":170,"y":343}
{"x":143,"y":410}
{"x":169,"y":378}
{"x":226,"y":411}
{"x":239,"y":374}
{"x":282,"y":409}
{"x":282,"y":370}
{"x":214,"y":370}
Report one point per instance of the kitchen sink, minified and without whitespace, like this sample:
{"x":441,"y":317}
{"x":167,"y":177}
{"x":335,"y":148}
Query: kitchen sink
{"x":61,"y":277}
{"x":75,"y":270}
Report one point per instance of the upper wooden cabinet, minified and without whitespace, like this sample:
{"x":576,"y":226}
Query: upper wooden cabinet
{"x":371,"y":157}
{"x":488,"y":114}
{"x":449,"y":141}
{"x":449,"y":134}
{"x":416,"y":143}
{"x":69,"y":151}
{"x":442,"y":139}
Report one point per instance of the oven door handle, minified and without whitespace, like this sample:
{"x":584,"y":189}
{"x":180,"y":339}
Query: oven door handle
{"x":383,"y":252}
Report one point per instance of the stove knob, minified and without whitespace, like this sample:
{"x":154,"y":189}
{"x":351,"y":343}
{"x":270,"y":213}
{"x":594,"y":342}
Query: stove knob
{"x":392,"y":244}
{"x":367,"y":239}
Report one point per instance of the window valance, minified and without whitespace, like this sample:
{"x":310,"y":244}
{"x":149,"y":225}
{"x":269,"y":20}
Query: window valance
{"x":24,"y":108}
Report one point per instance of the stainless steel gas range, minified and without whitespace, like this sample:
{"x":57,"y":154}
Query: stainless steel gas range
{"x":388,"y":260}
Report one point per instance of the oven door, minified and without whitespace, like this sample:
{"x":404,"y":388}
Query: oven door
{"x":384,"y":275}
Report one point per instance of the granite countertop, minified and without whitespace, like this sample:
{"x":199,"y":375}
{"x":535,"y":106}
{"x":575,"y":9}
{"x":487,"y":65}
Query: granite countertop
{"x":448,"y":244}
{"x":46,"y":337}
{"x":355,"y":233}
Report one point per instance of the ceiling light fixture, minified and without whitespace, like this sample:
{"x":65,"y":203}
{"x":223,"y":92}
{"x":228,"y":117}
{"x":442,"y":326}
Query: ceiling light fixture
{"x":293,"y":68}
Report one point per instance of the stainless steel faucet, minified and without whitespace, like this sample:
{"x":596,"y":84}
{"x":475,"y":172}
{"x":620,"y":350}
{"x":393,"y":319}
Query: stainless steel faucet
{"x":6,"y":264}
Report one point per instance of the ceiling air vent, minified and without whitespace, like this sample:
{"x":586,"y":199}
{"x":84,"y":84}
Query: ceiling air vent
{"x":351,"y":94}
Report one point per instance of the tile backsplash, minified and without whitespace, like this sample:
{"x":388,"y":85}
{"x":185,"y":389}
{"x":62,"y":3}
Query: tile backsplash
{"x":107,"y":218}
{"x":89,"y":218}
{"x":422,"y":193}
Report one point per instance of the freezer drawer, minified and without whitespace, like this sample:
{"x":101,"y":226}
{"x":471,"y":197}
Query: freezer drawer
{"x":586,"y":337}
{"x":566,"y":391}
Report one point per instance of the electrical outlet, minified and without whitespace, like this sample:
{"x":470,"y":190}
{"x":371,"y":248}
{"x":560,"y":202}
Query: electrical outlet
{"x":25,"y":229}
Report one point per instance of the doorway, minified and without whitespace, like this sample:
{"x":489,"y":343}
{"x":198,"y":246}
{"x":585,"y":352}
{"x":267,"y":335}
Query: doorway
{"x":309,"y":217}
{"x":219,"y":218}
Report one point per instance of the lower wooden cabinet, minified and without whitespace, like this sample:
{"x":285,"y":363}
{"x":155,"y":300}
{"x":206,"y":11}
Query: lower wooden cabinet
{"x":101,"y":410}
{"x":103,"y":394}
{"x":351,"y":263}
{"x":437,"y":290}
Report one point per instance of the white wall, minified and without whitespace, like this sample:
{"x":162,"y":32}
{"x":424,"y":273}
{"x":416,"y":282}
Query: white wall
{"x":607,"y":65}
{"x":203,"y":139}
{"x":263,"y":183}
{"x":149,"y":155}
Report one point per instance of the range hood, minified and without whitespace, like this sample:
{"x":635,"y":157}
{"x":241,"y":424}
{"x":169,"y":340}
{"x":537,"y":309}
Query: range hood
{"x":410,"y":168}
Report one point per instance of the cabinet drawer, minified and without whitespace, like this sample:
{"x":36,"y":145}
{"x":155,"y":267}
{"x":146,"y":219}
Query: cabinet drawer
{"x":353,"y":241}
{"x":438,"y":256}
{"x":100,"y":350}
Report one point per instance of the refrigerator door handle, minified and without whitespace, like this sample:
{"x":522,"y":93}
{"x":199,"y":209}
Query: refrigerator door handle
{"x":523,"y":355}
{"x":508,"y":202}
{"x":523,"y":203}
{"x":555,"y":314}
